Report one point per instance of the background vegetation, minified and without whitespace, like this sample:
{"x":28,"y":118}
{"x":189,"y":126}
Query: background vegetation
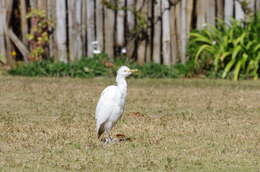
{"x":100,"y":65}
{"x":221,"y":51}
{"x":228,"y":50}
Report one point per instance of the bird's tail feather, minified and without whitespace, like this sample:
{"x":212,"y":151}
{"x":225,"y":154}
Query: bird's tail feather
{"x":100,"y":130}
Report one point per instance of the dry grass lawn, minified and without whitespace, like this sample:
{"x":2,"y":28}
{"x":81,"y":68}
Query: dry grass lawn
{"x":48,"y":124}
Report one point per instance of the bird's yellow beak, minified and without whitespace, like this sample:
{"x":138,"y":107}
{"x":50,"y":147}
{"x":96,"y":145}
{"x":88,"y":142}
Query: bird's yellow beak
{"x":133,"y":70}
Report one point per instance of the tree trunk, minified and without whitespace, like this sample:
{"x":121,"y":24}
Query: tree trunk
{"x":75,"y":42}
{"x":130,"y":27}
{"x":166,"y":43}
{"x":61,"y":35}
{"x":142,"y":8}
{"x":3,"y":22}
{"x":157,"y":32}
{"x":109,"y":31}
{"x":90,"y":26}
{"x":99,"y":25}
{"x":229,"y":7}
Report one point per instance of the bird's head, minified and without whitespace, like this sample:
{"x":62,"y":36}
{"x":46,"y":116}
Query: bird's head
{"x":124,"y":71}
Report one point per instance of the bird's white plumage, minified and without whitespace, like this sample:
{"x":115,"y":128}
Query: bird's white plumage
{"x":111,"y":102}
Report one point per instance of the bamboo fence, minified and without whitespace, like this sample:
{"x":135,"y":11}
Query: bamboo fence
{"x":145,"y":30}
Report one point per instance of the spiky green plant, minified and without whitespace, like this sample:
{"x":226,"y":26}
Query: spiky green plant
{"x":231,"y":49}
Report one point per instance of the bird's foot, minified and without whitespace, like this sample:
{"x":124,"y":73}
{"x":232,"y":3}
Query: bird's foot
{"x":110,"y":140}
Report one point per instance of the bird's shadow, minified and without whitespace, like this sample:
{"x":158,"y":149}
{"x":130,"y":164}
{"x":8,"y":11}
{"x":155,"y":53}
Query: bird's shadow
{"x":117,"y":139}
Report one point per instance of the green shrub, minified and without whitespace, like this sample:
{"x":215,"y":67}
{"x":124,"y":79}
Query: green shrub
{"x":85,"y":67}
{"x":100,"y":66}
{"x":228,"y":49}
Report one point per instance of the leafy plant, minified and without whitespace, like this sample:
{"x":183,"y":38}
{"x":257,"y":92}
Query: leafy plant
{"x":100,"y":65}
{"x":229,"y":49}
{"x":39,"y":36}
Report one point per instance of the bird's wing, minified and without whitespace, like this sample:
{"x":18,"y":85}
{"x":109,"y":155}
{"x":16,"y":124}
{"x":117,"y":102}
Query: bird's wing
{"x":104,"y":107}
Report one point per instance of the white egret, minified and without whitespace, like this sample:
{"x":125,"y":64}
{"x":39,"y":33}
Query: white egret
{"x":110,"y":106}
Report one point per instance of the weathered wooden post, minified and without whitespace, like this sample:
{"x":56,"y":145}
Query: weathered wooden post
{"x":174,"y":43}
{"x":201,"y":13}
{"x":239,"y":13}
{"x":141,"y":7}
{"x":130,"y":26}
{"x":100,"y":24}
{"x":75,"y":40}
{"x":183,"y":26}
{"x":3,"y":58}
{"x":157,"y":32}
{"x":166,"y":38}
{"x":120,"y":29}
{"x":229,"y":9}
{"x":90,"y":26}
{"x":61,"y":35}
{"x":109,"y":31}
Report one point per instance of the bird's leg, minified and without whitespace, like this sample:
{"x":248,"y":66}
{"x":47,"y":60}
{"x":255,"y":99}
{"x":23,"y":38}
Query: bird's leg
{"x":109,"y":139}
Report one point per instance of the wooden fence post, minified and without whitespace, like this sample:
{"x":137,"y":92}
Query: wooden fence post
{"x":120,"y":29}
{"x":129,"y":28}
{"x":100,"y":24}
{"x":183,"y":25}
{"x":24,"y":23}
{"x":201,"y":13}
{"x":211,"y":12}
{"x":61,"y":31}
{"x":90,"y":26}
{"x":257,"y":5}
{"x":149,"y":32}
{"x":52,"y":39}
{"x":75,"y":41}
{"x":220,"y":9}
{"x":3,"y":22}
{"x":229,"y":8}
{"x":166,"y":47}
{"x":141,"y":6}
{"x":109,"y":31}
{"x":157,"y":32}
{"x":84,"y":27}
{"x":174,"y":45}
{"x":239,"y":13}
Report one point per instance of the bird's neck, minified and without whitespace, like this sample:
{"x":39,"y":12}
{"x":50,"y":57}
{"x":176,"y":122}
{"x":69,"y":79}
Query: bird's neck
{"x":121,"y":83}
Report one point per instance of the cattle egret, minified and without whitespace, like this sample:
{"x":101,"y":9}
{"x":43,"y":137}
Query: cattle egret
{"x":110,"y":106}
